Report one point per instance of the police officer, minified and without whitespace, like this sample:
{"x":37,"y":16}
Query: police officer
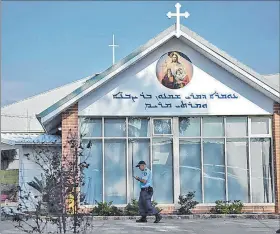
{"x":145,"y":204}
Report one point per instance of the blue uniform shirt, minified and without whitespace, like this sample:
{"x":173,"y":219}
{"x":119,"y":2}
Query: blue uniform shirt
{"x":146,"y":175}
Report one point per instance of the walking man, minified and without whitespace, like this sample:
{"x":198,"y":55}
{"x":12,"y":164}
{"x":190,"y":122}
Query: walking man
{"x":145,"y":203}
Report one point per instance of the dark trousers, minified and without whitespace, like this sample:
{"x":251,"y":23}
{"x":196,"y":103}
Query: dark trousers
{"x":145,"y":204}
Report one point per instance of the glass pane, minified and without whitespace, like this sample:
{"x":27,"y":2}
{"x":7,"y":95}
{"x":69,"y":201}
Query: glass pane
{"x":90,"y":127}
{"x":213,"y":126}
{"x":261,"y":171}
{"x":138,"y":150}
{"x":260,"y":125}
{"x":115,"y":171}
{"x":237,"y":170}
{"x":115,"y":128}
{"x":214,"y":170}
{"x":190,"y":168}
{"x":162,"y":170}
{"x":236,"y":126}
{"x":138,"y":127}
{"x":189,"y":127}
{"x":92,"y":154}
{"x":162,"y":126}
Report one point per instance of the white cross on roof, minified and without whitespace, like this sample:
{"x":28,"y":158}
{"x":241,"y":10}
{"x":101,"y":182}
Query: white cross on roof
{"x":178,"y":15}
{"x":113,"y":47}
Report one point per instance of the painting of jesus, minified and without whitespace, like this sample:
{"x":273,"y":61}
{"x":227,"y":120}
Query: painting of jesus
{"x":174,"y":70}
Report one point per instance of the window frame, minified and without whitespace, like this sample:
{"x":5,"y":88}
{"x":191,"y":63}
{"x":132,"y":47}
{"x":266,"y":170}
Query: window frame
{"x":149,"y":127}
{"x":269,"y":134}
{"x":191,"y":137}
{"x":223,"y":125}
{"x":248,"y":138}
{"x":175,"y":136}
{"x":162,"y":118}
{"x":235,"y":137}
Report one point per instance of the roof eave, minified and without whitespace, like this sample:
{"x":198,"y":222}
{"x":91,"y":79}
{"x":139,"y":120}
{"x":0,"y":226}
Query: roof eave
{"x":8,"y":142}
{"x":39,"y":143}
{"x":39,"y":119}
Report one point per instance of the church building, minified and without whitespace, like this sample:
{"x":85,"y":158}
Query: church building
{"x":200,"y":119}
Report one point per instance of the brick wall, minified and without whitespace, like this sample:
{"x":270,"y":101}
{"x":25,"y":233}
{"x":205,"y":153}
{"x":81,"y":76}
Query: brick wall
{"x":206,"y":209}
{"x":69,"y":126}
{"x":276,"y":154}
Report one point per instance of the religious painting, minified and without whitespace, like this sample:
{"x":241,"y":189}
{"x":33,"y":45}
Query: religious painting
{"x":174,"y":70}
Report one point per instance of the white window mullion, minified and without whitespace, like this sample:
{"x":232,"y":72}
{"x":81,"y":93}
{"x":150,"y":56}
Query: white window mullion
{"x":249,"y":159}
{"x":151,"y":143}
{"x":270,"y":127}
{"x":225,"y":150}
{"x":103,"y":160}
{"x":176,"y":160}
{"x":128,"y":169}
{"x":201,"y":156}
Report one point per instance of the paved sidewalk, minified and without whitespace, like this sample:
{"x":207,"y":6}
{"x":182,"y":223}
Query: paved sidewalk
{"x":195,"y":226}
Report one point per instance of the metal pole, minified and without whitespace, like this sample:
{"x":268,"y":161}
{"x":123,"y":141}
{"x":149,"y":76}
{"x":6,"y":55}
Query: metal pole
{"x":113,"y":49}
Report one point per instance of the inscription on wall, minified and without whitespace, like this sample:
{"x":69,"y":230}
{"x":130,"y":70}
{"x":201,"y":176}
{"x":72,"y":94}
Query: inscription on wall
{"x":176,"y":101}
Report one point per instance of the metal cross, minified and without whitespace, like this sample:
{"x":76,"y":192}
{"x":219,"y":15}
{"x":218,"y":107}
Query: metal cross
{"x":113,"y":46}
{"x":178,"y":15}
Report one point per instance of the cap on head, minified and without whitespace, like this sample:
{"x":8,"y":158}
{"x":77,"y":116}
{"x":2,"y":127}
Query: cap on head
{"x":141,"y":163}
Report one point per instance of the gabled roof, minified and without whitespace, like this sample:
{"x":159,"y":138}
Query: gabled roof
{"x":273,"y":80}
{"x":192,"y":39}
{"x":30,"y":138}
{"x":14,"y":116}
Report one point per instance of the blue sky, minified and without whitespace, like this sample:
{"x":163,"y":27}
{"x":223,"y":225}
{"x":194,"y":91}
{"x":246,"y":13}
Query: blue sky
{"x":49,"y":44}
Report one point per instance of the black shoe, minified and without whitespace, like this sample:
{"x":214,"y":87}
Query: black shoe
{"x":142,"y":220}
{"x":158,"y":218}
